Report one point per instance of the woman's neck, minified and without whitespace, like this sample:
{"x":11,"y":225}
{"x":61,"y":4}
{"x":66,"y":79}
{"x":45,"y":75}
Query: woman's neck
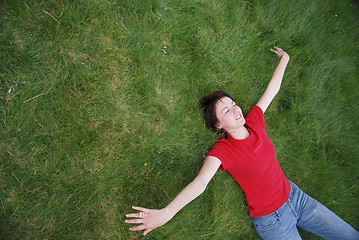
{"x":240,"y":133}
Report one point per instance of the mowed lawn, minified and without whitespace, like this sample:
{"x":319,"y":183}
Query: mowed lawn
{"x":99,"y":110}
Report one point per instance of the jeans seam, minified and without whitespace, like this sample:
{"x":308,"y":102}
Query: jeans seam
{"x":272,"y":227}
{"x":292,"y":208}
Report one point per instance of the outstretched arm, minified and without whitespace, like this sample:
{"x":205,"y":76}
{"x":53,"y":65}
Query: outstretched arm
{"x":150,"y":219}
{"x":276,"y":81}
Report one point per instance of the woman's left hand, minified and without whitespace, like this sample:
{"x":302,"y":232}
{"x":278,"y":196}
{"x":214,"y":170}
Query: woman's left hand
{"x":280,"y":52}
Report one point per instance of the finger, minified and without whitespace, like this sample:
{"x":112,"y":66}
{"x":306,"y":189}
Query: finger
{"x":133,"y":215}
{"x":147,"y":231}
{"x":273,"y":50}
{"x":134,"y":221}
{"x":137,"y":228}
{"x":140,"y":209}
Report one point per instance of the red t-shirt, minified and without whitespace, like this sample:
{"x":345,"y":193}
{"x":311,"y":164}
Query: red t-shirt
{"x":253,"y":164}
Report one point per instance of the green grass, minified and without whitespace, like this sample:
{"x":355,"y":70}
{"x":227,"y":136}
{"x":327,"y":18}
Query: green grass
{"x":99,"y":110}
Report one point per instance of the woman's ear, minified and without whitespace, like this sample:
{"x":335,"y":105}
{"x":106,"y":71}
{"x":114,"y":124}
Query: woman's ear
{"x":219,"y":126}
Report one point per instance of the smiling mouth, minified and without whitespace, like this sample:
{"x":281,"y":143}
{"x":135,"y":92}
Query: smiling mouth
{"x":238,"y":117}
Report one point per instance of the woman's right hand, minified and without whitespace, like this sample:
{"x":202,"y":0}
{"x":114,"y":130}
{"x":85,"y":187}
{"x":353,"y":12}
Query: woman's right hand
{"x":154,"y":218}
{"x":148,"y":219}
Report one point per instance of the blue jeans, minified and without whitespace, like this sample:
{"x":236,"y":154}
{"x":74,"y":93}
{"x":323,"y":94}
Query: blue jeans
{"x":305,"y":212}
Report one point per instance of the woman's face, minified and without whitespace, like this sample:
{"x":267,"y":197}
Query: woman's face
{"x":229,"y":115}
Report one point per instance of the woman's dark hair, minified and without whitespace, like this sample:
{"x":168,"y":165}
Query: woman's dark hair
{"x":208,"y":105}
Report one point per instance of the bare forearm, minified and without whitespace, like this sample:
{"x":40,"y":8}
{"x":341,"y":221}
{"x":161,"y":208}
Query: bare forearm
{"x":153,"y":218}
{"x":276,"y":80}
{"x":193,"y":190}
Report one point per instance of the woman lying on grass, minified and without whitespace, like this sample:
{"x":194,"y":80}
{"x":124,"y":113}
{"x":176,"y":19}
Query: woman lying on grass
{"x":276,"y":205}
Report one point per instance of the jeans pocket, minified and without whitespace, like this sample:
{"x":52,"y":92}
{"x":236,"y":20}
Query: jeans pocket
{"x":266,"y":224}
{"x":294,"y":188}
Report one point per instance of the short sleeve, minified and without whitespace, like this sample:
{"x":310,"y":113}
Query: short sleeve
{"x":256,"y":116}
{"x":223,"y":153}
